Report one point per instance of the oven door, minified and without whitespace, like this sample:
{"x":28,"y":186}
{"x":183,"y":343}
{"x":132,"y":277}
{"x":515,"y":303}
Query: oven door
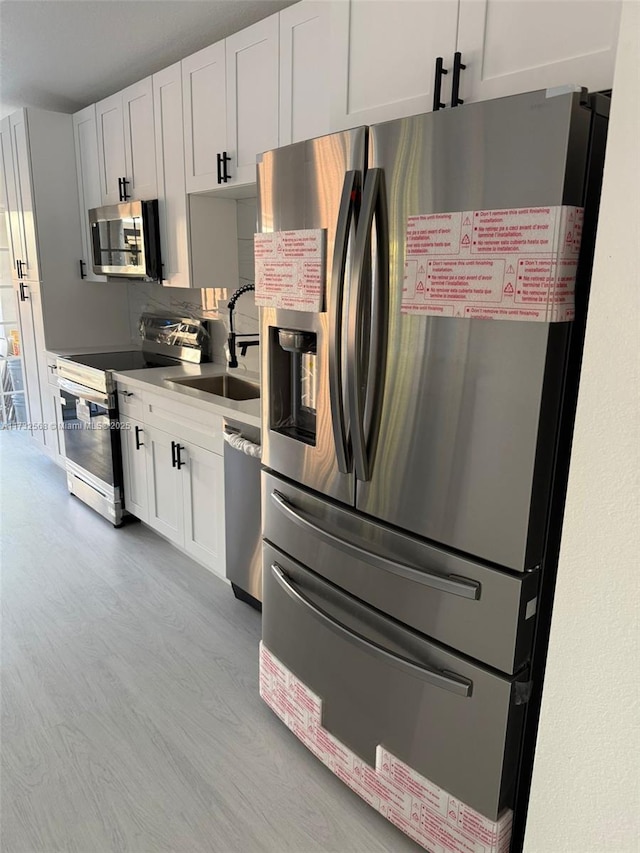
{"x":92,"y":443}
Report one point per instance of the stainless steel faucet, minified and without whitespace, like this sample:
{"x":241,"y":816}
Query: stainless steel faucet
{"x":231,"y":339}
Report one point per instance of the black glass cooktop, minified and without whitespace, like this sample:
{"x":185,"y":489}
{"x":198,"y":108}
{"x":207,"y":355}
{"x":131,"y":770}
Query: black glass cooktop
{"x":117,"y":361}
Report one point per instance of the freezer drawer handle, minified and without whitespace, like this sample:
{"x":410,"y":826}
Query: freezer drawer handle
{"x":451,"y":681}
{"x":445,"y":583}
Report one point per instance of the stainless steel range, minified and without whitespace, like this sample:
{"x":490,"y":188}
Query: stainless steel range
{"x":90,"y":411}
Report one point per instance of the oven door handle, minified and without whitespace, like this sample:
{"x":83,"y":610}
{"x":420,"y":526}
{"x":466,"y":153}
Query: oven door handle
{"x":84,"y":393}
{"x":442,"y":679}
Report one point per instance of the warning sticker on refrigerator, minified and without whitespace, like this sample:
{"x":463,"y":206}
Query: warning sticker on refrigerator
{"x":422,"y":810}
{"x":290,"y":269}
{"x":511,"y":264}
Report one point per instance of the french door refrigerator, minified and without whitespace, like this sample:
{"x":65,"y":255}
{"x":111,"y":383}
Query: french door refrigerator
{"x":410,"y":441}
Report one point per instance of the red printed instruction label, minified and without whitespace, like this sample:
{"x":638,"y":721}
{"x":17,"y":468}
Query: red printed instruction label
{"x":511,"y":264}
{"x":425,"y":812}
{"x":290,"y":269}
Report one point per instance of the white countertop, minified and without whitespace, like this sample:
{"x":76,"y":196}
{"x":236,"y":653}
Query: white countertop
{"x":154,"y":380}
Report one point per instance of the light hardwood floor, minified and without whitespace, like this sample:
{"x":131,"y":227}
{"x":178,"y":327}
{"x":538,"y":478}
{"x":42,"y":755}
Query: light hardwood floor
{"x":131,"y":719}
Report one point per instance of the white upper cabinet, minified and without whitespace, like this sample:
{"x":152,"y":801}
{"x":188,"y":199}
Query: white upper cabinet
{"x":126,"y":145}
{"x":305,"y":62}
{"x":172,"y":198}
{"x":88,"y":173}
{"x":205,"y":116}
{"x":110,"y":148}
{"x":139,"y":140}
{"x":383,"y":57}
{"x":252,"y":98}
{"x":23,"y":228}
{"x":522,"y":45}
{"x":10,"y":196}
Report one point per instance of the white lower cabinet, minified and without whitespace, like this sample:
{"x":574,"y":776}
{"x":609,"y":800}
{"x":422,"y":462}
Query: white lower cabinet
{"x":203,"y":506}
{"x":164,"y":485}
{"x":177,"y":488}
{"x":134,"y":468}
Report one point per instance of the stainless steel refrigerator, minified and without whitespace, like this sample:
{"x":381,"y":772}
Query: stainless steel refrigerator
{"x":409,"y":460}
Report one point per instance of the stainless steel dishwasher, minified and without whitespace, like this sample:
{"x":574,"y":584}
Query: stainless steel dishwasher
{"x":243,"y":526}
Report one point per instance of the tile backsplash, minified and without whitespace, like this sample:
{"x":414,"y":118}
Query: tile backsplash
{"x":210,"y":303}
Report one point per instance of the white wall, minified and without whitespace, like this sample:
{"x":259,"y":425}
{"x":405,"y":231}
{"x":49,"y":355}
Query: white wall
{"x":584,"y":797}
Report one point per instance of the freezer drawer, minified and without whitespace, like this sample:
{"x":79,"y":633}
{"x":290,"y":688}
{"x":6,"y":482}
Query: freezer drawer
{"x":484,"y":613}
{"x":454,"y":722}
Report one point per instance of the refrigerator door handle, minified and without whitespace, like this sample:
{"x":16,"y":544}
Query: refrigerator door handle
{"x":350,"y":191}
{"x":437,"y":678}
{"x":364,"y":392}
{"x":453,"y":584}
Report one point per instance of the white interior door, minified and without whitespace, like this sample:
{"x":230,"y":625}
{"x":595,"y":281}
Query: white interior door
{"x":523,"y":45}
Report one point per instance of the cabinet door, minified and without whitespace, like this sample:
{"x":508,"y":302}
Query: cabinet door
{"x":252,"y":97}
{"x":203,"y":497}
{"x":139,"y":141}
{"x":134,"y":468}
{"x":205,"y":117}
{"x":52,"y":416}
{"x":172,"y":198}
{"x":111,"y":158}
{"x":88,"y":172}
{"x":25,"y":207}
{"x":304,"y":69}
{"x":29,"y":353}
{"x":164,"y":486}
{"x":383,"y":58}
{"x":10,"y":196}
{"x":525,"y":45}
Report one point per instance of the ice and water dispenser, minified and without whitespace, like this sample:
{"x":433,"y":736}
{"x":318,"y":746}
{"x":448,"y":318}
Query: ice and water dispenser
{"x":293,"y":383}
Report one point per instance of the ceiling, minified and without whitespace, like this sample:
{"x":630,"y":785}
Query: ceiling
{"x":64,"y":54}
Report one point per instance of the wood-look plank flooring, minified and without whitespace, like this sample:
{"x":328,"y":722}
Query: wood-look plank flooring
{"x":131,"y":719}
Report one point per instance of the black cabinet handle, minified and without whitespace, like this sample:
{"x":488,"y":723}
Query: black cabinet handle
{"x":219,"y":164}
{"x":19,"y":265}
{"x":225,"y":174}
{"x":139,"y":443}
{"x":458,"y":66}
{"x":23,"y":295}
{"x":437,"y":85}
{"x":173,"y":454}
{"x":119,"y":189}
{"x":82,"y":266}
{"x":179,"y":461}
{"x":125,"y":194}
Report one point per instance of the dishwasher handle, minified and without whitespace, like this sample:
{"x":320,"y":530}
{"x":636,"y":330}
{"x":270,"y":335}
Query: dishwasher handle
{"x":238,"y":442}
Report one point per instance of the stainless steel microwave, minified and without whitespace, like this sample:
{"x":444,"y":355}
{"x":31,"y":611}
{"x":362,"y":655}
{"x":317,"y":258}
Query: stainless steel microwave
{"x":125,"y":240}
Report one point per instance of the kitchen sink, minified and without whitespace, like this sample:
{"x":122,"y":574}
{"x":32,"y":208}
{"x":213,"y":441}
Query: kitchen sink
{"x":229,"y":387}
